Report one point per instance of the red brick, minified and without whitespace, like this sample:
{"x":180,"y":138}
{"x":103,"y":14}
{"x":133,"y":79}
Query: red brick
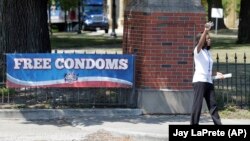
{"x":163,"y":42}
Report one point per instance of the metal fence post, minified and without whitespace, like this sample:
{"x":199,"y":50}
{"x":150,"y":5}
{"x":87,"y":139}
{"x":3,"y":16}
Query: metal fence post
{"x":245,"y":77}
{"x":236,"y":79}
{"x":227,"y":72}
{"x":217,"y":69}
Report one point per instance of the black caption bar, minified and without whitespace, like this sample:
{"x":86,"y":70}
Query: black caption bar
{"x":223,"y":132}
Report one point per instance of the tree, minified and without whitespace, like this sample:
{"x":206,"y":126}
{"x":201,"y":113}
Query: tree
{"x":24,"y":26}
{"x":215,"y":4}
{"x":244,"y":22}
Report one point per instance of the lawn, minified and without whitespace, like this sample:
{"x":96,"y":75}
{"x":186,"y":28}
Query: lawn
{"x":225,"y":43}
{"x":232,"y":112}
{"x":72,"y":40}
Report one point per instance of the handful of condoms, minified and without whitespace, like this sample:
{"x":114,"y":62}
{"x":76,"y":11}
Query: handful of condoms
{"x":228,"y":75}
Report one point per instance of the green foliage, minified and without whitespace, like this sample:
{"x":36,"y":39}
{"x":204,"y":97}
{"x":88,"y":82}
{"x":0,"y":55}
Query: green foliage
{"x":6,"y":91}
{"x":52,"y":2}
{"x":226,"y":6}
{"x":204,"y":4}
{"x":225,"y":43}
{"x":20,"y":106}
{"x":67,"y":4}
{"x":233,"y":112}
{"x":238,"y":6}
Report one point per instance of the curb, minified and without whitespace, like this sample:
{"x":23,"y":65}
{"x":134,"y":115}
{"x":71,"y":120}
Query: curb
{"x":47,"y":114}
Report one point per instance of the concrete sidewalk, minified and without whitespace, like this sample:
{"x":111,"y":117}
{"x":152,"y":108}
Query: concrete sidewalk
{"x":144,"y":127}
{"x":122,"y":126}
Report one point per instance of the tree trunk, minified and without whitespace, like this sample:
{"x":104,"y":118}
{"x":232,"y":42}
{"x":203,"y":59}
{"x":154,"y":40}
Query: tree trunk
{"x":244,"y":22}
{"x":24,"y":26}
{"x":1,"y":41}
{"x":215,"y":4}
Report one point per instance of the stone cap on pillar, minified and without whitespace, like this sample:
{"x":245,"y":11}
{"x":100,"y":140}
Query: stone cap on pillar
{"x":173,"y":6}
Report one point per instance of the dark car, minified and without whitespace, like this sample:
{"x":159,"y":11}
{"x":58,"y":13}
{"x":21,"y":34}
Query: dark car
{"x":95,"y":22}
{"x":94,"y":17}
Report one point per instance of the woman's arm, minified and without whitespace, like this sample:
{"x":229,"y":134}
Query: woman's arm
{"x":203,"y":36}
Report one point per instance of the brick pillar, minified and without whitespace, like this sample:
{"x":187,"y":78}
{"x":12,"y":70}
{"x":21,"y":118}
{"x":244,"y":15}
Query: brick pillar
{"x":161,"y":34}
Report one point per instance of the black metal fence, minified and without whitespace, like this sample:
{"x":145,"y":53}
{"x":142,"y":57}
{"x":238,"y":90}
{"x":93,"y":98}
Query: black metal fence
{"x":235,"y":90}
{"x":231,"y":91}
{"x":66,"y":98}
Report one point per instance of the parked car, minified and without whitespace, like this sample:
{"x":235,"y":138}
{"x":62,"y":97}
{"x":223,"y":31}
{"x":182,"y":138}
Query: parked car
{"x":95,"y":22}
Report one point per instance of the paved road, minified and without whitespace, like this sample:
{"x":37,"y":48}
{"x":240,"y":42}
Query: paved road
{"x":22,"y":130}
{"x":106,"y":128}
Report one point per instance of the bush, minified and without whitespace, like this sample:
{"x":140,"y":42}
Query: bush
{"x":6,"y":91}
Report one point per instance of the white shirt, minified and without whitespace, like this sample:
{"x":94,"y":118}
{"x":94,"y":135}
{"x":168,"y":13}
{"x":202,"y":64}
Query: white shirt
{"x":203,"y":66}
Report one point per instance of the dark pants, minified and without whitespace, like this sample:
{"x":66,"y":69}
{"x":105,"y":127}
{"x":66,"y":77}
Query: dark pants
{"x":206,"y":90}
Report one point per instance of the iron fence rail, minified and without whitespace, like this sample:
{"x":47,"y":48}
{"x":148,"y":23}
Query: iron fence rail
{"x":235,"y":90}
{"x":230,"y":91}
{"x":66,"y":98}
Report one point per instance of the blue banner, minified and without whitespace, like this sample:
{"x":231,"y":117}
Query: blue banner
{"x":70,"y":70}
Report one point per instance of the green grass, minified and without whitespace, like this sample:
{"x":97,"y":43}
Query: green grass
{"x":225,"y":42}
{"x":232,"y":112}
{"x":80,"y":41}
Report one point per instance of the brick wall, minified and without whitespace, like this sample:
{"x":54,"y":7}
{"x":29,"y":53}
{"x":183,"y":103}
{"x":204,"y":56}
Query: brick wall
{"x":163,"y":43}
